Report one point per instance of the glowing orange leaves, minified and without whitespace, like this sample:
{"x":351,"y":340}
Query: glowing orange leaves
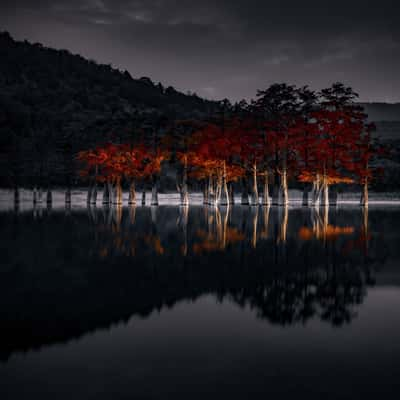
{"x":113,"y":162}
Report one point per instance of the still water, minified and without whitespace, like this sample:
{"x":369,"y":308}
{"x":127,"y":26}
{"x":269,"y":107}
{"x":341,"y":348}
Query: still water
{"x":172,"y":302}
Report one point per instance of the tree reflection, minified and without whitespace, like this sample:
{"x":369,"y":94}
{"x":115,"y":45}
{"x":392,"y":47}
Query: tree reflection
{"x":288,"y":265}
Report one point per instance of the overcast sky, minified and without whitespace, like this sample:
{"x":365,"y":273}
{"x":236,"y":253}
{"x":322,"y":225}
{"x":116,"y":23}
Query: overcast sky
{"x":226,"y":48}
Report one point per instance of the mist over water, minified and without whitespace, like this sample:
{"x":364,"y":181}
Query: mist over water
{"x":178,"y":302}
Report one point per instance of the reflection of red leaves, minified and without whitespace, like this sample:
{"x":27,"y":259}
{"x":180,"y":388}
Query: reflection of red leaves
{"x":330,"y":232}
{"x":211,"y":242}
{"x":360,"y":243}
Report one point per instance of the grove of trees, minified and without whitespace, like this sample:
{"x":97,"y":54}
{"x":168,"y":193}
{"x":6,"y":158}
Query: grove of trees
{"x":286,"y":134}
{"x":67,"y":121}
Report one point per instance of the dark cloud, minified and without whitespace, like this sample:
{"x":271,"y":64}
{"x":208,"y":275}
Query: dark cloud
{"x":226,"y":48}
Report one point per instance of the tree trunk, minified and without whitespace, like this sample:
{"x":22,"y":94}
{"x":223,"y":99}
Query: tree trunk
{"x":117,"y":195}
{"x":265,"y":198}
{"x":224,"y":200}
{"x":68,"y":196}
{"x":143,"y":198}
{"x":132,"y":193}
{"x":231,"y":194}
{"x":89,"y":195}
{"x":334,"y":196}
{"x":211,"y":191}
{"x":245,"y":192}
{"x":106,"y":194}
{"x":184,"y":197}
{"x":306,"y":191}
{"x":364,"y":194}
{"x":218,"y":190}
{"x":316,"y":192}
{"x":206,"y":200}
{"x":40,"y":195}
{"x":184,"y":187}
{"x":17,"y":195}
{"x":154,"y":192}
{"x":325,"y":194}
{"x":276,"y":190}
{"x":254,"y":191}
{"x":34,"y":195}
{"x":49,"y":197}
{"x":284,"y":198}
{"x":93,"y":199}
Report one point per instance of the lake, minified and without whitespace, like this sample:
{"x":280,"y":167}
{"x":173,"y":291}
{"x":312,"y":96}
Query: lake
{"x":192,"y":303}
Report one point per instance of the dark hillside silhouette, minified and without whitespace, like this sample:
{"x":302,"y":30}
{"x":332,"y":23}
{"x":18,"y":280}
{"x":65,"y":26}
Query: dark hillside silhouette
{"x":53,"y":103}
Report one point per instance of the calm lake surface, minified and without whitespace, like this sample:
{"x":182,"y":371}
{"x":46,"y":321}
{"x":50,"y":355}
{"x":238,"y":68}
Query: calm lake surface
{"x":194,"y":303}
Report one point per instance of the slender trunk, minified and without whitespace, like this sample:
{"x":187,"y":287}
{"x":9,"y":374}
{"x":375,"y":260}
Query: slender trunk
{"x":254,"y":192}
{"x":49,"y":197}
{"x":218,"y":190}
{"x":231,"y":194}
{"x":89,"y":195}
{"x":106,"y":194}
{"x":17,"y":195}
{"x":316,"y":192}
{"x":224,"y":200}
{"x":93,"y":199}
{"x":364,"y":194}
{"x":154,"y":192}
{"x":276,"y":190}
{"x":334,"y":196}
{"x":111,"y":190}
{"x":284,"y":183}
{"x":143,"y":198}
{"x":117,"y":195}
{"x":132,"y":193}
{"x":245,"y":192}
{"x":68,"y":196}
{"x":205,"y":193}
{"x":40,"y":194}
{"x":266,"y":199}
{"x":284,"y":198}
{"x":211,"y":191}
{"x":325,"y":188}
{"x":184,"y":188}
{"x":35,"y":195}
{"x":306,"y":191}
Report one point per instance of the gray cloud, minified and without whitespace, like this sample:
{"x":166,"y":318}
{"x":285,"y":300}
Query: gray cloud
{"x":226,"y":48}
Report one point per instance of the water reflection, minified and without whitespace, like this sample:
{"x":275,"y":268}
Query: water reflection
{"x":102,"y":265}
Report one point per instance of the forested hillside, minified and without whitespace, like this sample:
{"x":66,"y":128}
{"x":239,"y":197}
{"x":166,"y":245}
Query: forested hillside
{"x":54,"y":103}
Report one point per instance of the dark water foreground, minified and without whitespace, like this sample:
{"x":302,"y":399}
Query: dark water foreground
{"x":171,"y":302}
